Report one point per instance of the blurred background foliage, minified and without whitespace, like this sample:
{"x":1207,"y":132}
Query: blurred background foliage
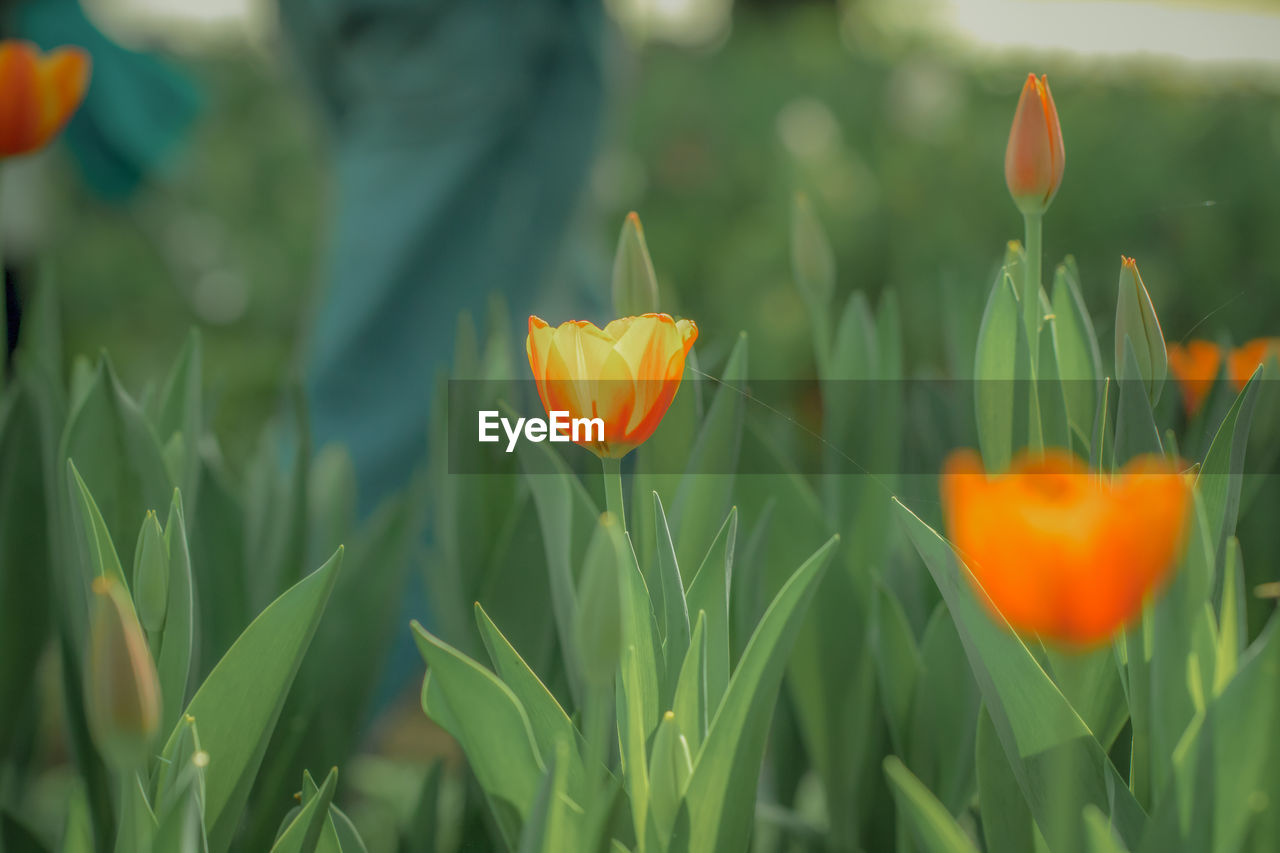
{"x":895,"y":131}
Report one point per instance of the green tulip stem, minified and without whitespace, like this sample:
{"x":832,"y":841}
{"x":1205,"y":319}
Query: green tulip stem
{"x":1032,"y":223}
{"x":613,"y":489}
{"x":596,"y":724}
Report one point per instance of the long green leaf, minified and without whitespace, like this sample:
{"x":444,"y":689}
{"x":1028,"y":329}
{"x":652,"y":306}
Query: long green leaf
{"x":716,"y":816}
{"x":238,"y":704}
{"x":932,"y":825}
{"x":1059,"y":765}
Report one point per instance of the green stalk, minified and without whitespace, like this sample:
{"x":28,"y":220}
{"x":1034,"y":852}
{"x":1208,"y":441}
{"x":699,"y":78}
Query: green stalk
{"x":1032,"y":314}
{"x":613,"y":489}
{"x":1033,"y":225}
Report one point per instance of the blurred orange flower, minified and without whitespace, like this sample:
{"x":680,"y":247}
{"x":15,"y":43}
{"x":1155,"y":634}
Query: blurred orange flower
{"x":1244,"y":360}
{"x":1195,"y":366}
{"x":1060,"y":552}
{"x":627,"y":373}
{"x":38,"y":93}
{"x":1034,"y":158}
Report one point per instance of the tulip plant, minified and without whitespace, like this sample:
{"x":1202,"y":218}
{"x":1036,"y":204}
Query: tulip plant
{"x":1042,"y":644}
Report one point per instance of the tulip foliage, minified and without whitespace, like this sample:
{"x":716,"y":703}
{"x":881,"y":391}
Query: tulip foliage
{"x":722,"y":625}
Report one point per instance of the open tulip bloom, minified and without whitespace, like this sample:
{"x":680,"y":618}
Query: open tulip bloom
{"x":38,"y":94}
{"x":1059,"y":551}
{"x":626,"y":374}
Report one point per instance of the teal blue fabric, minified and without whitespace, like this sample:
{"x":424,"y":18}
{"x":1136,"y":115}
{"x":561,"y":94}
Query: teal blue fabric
{"x":138,"y":107}
{"x":461,"y":134}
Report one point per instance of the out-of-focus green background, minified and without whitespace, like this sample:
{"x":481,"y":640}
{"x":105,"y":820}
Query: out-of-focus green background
{"x":897,"y":133}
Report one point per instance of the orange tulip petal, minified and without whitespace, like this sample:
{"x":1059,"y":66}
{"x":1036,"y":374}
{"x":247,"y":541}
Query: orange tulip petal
{"x":1195,"y":366}
{"x":20,"y":104}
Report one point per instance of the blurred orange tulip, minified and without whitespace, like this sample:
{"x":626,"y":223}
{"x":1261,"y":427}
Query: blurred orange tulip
{"x":1058,"y":551}
{"x":1195,"y":366}
{"x":38,"y":93}
{"x":1245,"y":360}
{"x":626,"y":373}
{"x":1034,"y":158}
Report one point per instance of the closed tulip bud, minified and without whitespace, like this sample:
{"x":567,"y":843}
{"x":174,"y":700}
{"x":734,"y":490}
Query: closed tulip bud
{"x":625,"y":374}
{"x":1057,"y":551}
{"x":670,"y":767}
{"x":1136,"y":320}
{"x":635,"y":284}
{"x":1034,"y":158}
{"x":151,"y":574}
{"x":122,"y":691}
{"x":38,"y":93}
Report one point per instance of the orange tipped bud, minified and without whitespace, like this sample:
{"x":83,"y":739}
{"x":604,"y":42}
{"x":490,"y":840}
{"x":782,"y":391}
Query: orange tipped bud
{"x":38,"y":93}
{"x":1195,"y":366}
{"x":122,"y":691}
{"x":1245,"y":360}
{"x":626,"y":374}
{"x":1059,"y":552}
{"x":1034,"y":158}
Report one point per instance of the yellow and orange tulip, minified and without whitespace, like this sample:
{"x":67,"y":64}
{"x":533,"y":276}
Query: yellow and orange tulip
{"x":1243,"y":361}
{"x":627,"y":373}
{"x":38,"y":93}
{"x":1059,"y":552}
{"x":1034,"y":158}
{"x":1195,"y":365}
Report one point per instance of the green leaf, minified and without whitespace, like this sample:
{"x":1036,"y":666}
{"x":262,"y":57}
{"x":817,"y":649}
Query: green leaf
{"x":26,"y":570}
{"x":635,"y":285}
{"x":1076,"y":346}
{"x":898,"y":665}
{"x":1221,"y":474}
{"x":1232,"y":627}
{"x":349,"y":840}
{"x":598,"y":634}
{"x":995,"y":372}
{"x":1059,"y":765}
{"x":547,"y":720}
{"x":137,"y":826}
{"x":1098,"y":834}
{"x":674,"y":610}
{"x":487,"y":719}
{"x":238,"y":704}
{"x":303,"y":833}
{"x":931,"y":824}
{"x":1136,"y":431}
{"x":706,"y":489}
{"x":173,"y":655}
{"x":709,"y":594}
{"x":690,"y":701}
{"x":103,"y":558}
{"x":177,"y":412}
{"x":116,"y":454}
{"x":1007,"y":825}
{"x":944,"y":714}
{"x":720,"y":799}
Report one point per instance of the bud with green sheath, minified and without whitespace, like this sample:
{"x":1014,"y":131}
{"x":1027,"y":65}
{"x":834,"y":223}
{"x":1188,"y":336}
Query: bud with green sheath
{"x":1136,"y":320}
{"x":122,"y":691}
{"x":151,"y":574}
{"x":635,"y":285}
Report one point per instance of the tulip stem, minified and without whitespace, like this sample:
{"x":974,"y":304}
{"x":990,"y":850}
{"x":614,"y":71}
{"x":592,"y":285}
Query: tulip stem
{"x":1031,"y":311}
{"x":613,"y":489}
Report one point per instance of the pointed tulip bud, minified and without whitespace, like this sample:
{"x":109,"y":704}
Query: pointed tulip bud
{"x":1034,"y":158}
{"x":635,"y":284}
{"x":670,"y":767}
{"x":1136,"y":320}
{"x":121,"y":692}
{"x":151,"y":574}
